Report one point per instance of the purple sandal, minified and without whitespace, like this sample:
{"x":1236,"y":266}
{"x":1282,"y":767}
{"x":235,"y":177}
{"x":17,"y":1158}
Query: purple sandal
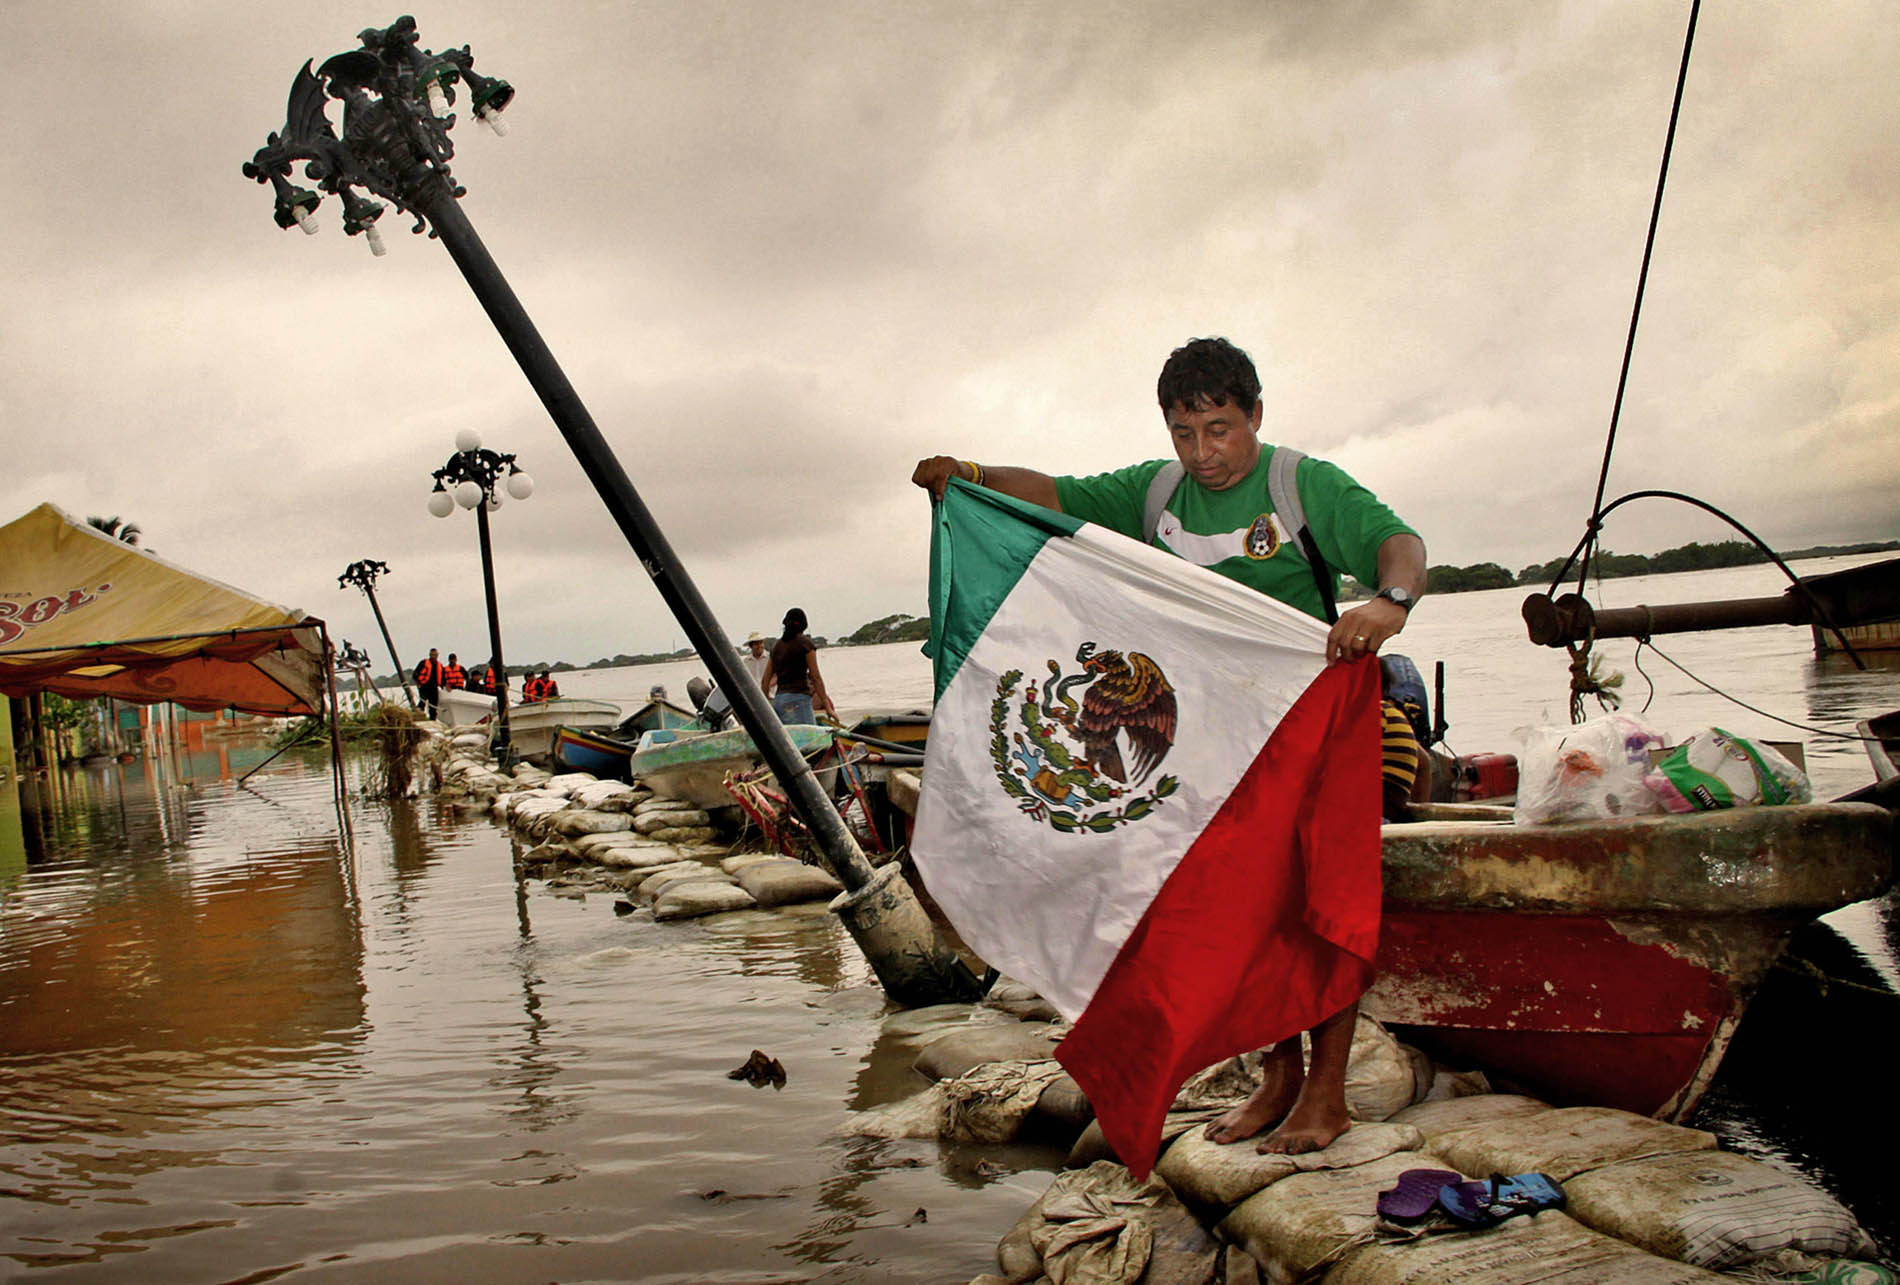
{"x":1416,"y":1194}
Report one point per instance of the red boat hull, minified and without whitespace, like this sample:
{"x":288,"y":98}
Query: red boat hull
{"x":1607,"y":963}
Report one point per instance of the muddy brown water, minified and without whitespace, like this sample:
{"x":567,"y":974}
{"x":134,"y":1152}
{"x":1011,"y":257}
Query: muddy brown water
{"x":233,"y":1050}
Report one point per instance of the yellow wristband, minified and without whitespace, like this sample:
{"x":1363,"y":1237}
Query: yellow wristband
{"x":976,"y":472}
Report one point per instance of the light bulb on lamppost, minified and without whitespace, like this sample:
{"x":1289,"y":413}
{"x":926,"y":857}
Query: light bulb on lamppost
{"x":494,"y":501}
{"x":468,"y":440}
{"x":441,"y":503}
{"x":468,"y":494}
{"x":520,"y":485}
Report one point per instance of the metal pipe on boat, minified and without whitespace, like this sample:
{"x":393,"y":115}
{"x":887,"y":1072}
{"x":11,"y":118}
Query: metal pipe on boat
{"x":1569,"y":618}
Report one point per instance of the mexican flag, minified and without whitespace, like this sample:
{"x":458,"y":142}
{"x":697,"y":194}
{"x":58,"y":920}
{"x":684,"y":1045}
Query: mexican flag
{"x":1147,"y":796}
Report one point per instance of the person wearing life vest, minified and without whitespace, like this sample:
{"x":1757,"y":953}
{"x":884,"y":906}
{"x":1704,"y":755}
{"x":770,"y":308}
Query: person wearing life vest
{"x":428,"y":683}
{"x":550,"y":690}
{"x":531,"y":690}
{"x":1285,"y":526}
{"x":488,"y":678}
{"x":454,"y":676}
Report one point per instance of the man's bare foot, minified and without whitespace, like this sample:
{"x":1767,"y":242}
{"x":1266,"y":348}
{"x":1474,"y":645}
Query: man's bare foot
{"x":1281,"y":1077}
{"x":1312,"y":1125}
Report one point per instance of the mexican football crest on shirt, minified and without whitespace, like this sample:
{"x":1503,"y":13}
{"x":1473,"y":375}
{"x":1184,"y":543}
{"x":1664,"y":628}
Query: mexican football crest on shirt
{"x":1258,"y":540}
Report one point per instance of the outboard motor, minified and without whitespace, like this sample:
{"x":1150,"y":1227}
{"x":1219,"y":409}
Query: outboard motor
{"x":715,"y":710}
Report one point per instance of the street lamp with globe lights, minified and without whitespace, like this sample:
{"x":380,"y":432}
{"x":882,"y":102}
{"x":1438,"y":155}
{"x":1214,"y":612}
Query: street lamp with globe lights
{"x":469,"y":480}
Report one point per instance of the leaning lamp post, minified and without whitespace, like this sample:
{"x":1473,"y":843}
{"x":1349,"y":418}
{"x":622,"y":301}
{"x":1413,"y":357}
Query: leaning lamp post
{"x":363,"y":574}
{"x":395,"y":145}
{"x":474,"y":478}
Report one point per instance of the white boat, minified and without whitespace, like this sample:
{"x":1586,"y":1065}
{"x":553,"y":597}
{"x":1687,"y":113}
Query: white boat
{"x":458,"y":708}
{"x":531,"y":726}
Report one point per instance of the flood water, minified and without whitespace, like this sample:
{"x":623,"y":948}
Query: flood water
{"x":233,"y":1048}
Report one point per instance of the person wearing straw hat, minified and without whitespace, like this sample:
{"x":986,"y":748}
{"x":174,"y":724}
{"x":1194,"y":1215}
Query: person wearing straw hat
{"x":757,"y":660}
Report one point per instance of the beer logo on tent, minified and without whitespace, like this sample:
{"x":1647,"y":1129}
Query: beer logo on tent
{"x":1059,"y":750}
{"x":17,"y":617}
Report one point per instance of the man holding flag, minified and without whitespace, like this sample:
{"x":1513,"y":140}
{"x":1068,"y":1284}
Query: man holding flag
{"x":1175,"y":917}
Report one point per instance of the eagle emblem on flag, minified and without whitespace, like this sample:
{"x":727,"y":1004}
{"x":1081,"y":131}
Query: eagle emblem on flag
{"x":1059,"y":751}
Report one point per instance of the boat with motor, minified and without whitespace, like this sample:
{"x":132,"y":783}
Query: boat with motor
{"x":678,"y":763}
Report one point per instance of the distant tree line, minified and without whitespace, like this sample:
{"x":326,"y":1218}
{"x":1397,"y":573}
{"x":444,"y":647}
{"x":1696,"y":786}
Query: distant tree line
{"x":1693,"y":556}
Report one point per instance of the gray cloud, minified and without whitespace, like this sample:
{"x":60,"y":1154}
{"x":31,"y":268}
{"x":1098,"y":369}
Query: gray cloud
{"x":785,"y":250}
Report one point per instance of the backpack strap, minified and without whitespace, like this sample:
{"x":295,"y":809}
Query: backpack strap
{"x":1161,"y":489}
{"x":1283,"y":492}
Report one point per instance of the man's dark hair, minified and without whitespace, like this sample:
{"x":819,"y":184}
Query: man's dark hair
{"x":1205,"y":373}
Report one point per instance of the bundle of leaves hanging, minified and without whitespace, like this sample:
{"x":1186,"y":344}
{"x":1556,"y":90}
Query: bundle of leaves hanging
{"x":394,"y":733}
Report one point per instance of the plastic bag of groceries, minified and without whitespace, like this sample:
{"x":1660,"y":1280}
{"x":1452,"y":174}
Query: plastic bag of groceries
{"x":1718,"y":769}
{"x":1586,"y":772}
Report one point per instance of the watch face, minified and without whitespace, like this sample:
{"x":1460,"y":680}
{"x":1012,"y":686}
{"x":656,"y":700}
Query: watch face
{"x":1396,"y":595}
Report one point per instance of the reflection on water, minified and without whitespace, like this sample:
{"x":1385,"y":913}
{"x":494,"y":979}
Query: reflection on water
{"x":228,"y":1051}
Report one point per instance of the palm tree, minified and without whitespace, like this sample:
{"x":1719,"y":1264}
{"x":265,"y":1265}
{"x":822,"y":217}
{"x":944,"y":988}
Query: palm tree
{"x":128,"y":532}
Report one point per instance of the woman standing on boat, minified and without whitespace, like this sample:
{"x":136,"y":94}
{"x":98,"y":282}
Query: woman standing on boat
{"x":792,"y":679}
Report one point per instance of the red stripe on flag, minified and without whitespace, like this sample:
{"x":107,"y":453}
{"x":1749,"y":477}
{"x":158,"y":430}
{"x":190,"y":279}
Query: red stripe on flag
{"x":1267,"y":927}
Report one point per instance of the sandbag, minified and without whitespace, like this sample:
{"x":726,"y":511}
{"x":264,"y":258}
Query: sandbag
{"x":959,"y":1052}
{"x":588,"y":844}
{"x":1099,"y":1226}
{"x":1222,"y":1174}
{"x":1018,"y":1000}
{"x":648,"y":819}
{"x":1383,"y":1076}
{"x":1437,"y":1118}
{"x":579,"y":821}
{"x":1306,"y":1220}
{"x":609,"y":796}
{"x":567,"y":782}
{"x":918,"y":1116}
{"x":786,"y":881}
{"x":1565,"y":1142}
{"x":1548,"y":1248}
{"x":681,"y":834}
{"x":738,"y":861}
{"x":1714,"y":1209}
{"x":696,"y":897}
{"x":642,"y":860}
{"x":654,"y":882}
{"x":989,"y":1103}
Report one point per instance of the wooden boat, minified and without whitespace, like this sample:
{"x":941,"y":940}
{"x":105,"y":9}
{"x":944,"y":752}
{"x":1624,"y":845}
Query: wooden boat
{"x":1606,"y":962}
{"x":909,"y":728}
{"x":658,"y":713}
{"x":693,"y":766}
{"x":603,"y":754}
{"x":531,"y":727}
{"x":1600,"y":962}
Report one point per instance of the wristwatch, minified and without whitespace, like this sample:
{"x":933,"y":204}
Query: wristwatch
{"x":1397,"y":596}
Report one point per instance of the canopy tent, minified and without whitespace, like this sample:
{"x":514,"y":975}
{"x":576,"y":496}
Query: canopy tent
{"x":83,"y":614}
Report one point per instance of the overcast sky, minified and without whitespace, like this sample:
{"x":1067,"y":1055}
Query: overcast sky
{"x":785,"y":249}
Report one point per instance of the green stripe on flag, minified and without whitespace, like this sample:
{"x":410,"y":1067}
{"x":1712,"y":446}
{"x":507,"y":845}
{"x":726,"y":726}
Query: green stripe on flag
{"x":980,"y":544}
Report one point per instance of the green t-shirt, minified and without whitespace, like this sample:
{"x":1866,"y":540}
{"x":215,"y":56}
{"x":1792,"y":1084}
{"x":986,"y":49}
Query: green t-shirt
{"x":1225,"y":532}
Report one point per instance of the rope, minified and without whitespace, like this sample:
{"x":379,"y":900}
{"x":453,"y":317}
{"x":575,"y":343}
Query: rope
{"x":1753,"y":709}
{"x":1825,"y":981}
{"x":1636,"y":310}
